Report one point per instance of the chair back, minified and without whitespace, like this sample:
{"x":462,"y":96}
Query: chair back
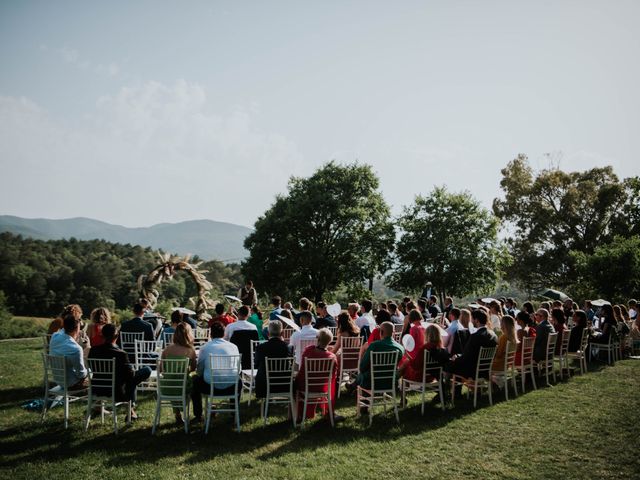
{"x":304,"y":343}
{"x":584,"y":340}
{"x":334,"y":332}
{"x":56,"y":369}
{"x":564,"y":345}
{"x":168,"y":338}
{"x":254,"y":346}
{"x":242,"y":339}
{"x":146,"y":354}
{"x":485,"y":359}
{"x":200,"y":336}
{"x":102,"y":377}
{"x":510,"y":356}
{"x":318,"y":373}
{"x":128,"y":343}
{"x":383,"y":370}
{"x":286,"y":334}
{"x":225,"y":369}
{"x":172,"y":382}
{"x":350,"y":352}
{"x":279,"y":374}
{"x":430,"y":367}
{"x":551,"y":346}
{"x":397,"y":335}
{"x":46,"y":340}
{"x":527,"y":350}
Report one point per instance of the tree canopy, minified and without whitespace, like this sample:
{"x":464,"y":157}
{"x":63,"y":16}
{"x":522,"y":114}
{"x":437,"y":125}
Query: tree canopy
{"x":330,"y":229}
{"x":551,"y":213}
{"x":450,"y":240}
{"x":612,"y":271}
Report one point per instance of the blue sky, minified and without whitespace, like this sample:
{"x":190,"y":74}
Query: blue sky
{"x":144,"y":112}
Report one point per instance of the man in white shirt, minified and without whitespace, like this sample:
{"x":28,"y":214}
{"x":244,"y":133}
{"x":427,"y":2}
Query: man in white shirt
{"x":240,"y":324}
{"x":366,"y":316}
{"x":452,"y":329}
{"x":224,"y":383}
{"x":307,"y":332}
{"x":63,"y":343}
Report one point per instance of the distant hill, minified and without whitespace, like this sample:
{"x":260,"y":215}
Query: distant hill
{"x":205,"y":238}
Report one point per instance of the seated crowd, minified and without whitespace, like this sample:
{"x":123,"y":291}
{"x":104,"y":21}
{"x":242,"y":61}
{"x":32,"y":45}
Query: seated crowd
{"x":453,"y":338}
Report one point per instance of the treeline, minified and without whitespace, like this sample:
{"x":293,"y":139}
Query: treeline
{"x":333,"y":231}
{"x":41,"y":277}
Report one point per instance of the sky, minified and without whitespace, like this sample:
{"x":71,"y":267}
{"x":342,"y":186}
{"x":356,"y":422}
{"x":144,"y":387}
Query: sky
{"x":143,"y":112}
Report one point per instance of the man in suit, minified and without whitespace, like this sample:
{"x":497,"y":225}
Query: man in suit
{"x":126,"y":379}
{"x":137,"y":324}
{"x":543,"y":329}
{"x":275,"y":347}
{"x":465,"y":364}
{"x":323,"y":319}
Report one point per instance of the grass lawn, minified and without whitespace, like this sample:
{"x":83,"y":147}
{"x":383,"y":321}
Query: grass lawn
{"x":587,"y":427}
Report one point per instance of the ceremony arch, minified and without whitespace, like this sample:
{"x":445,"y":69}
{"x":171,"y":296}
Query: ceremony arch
{"x":170,"y":264}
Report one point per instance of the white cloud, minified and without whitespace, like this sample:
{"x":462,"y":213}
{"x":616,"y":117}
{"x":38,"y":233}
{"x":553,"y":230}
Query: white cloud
{"x":146,"y":154}
{"x":72,"y":57}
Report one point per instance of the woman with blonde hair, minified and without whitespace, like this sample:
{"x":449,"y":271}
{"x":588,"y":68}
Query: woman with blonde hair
{"x":412,"y":370}
{"x":99,"y":318}
{"x":181,"y":347}
{"x":508,"y":327}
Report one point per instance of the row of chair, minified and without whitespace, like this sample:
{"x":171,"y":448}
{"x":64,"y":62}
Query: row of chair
{"x":281,"y":371}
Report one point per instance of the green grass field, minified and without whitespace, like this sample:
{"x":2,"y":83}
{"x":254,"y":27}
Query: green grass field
{"x":586,"y":427}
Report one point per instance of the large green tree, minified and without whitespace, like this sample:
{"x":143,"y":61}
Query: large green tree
{"x":551,"y":213}
{"x":612,"y":271}
{"x":448,"y":239}
{"x":330,"y":229}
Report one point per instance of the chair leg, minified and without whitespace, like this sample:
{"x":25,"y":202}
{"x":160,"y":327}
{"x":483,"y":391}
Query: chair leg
{"x":395,"y":405}
{"x":66,"y":411}
{"x":506,"y":388}
{"x":304,"y":411}
{"x":208,"y":421}
{"x":186,"y":415}
{"x":156,"y":417}
{"x":489,"y":387}
{"x":453,"y":390}
{"x":87,"y":417}
{"x":330,"y":409}
{"x":514,"y":383}
{"x":475,"y":394}
{"x":114,"y":412}
{"x":237,"y":414}
{"x":294,"y":410}
{"x":265,"y":409}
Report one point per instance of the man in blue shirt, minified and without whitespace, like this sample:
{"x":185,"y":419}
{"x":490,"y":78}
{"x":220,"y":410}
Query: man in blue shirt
{"x":223,"y":383}
{"x":63,"y":343}
{"x":277,"y":309}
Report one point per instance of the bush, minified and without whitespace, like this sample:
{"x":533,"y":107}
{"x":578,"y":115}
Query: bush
{"x":22,"y":327}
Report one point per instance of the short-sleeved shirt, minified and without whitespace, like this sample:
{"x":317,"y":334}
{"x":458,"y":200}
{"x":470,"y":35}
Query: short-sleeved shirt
{"x":219,"y":347}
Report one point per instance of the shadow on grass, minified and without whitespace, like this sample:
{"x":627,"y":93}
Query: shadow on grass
{"x":47,"y":442}
{"x":44,"y":442}
{"x":10,"y":397}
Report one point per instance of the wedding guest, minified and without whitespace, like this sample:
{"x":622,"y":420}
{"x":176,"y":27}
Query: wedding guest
{"x":182,"y":347}
{"x":99,"y":318}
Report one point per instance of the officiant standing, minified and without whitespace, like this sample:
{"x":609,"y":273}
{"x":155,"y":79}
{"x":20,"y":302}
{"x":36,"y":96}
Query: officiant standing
{"x":248,"y":295}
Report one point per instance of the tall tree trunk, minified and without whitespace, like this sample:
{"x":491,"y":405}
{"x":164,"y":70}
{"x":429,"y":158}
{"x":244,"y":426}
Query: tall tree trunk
{"x":371,"y":283}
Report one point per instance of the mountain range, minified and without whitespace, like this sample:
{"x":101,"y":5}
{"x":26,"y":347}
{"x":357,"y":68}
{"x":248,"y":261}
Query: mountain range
{"x":206,"y":238}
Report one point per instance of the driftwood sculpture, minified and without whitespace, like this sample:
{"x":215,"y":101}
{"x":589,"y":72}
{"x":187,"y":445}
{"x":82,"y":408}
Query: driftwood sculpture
{"x":148,"y":284}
